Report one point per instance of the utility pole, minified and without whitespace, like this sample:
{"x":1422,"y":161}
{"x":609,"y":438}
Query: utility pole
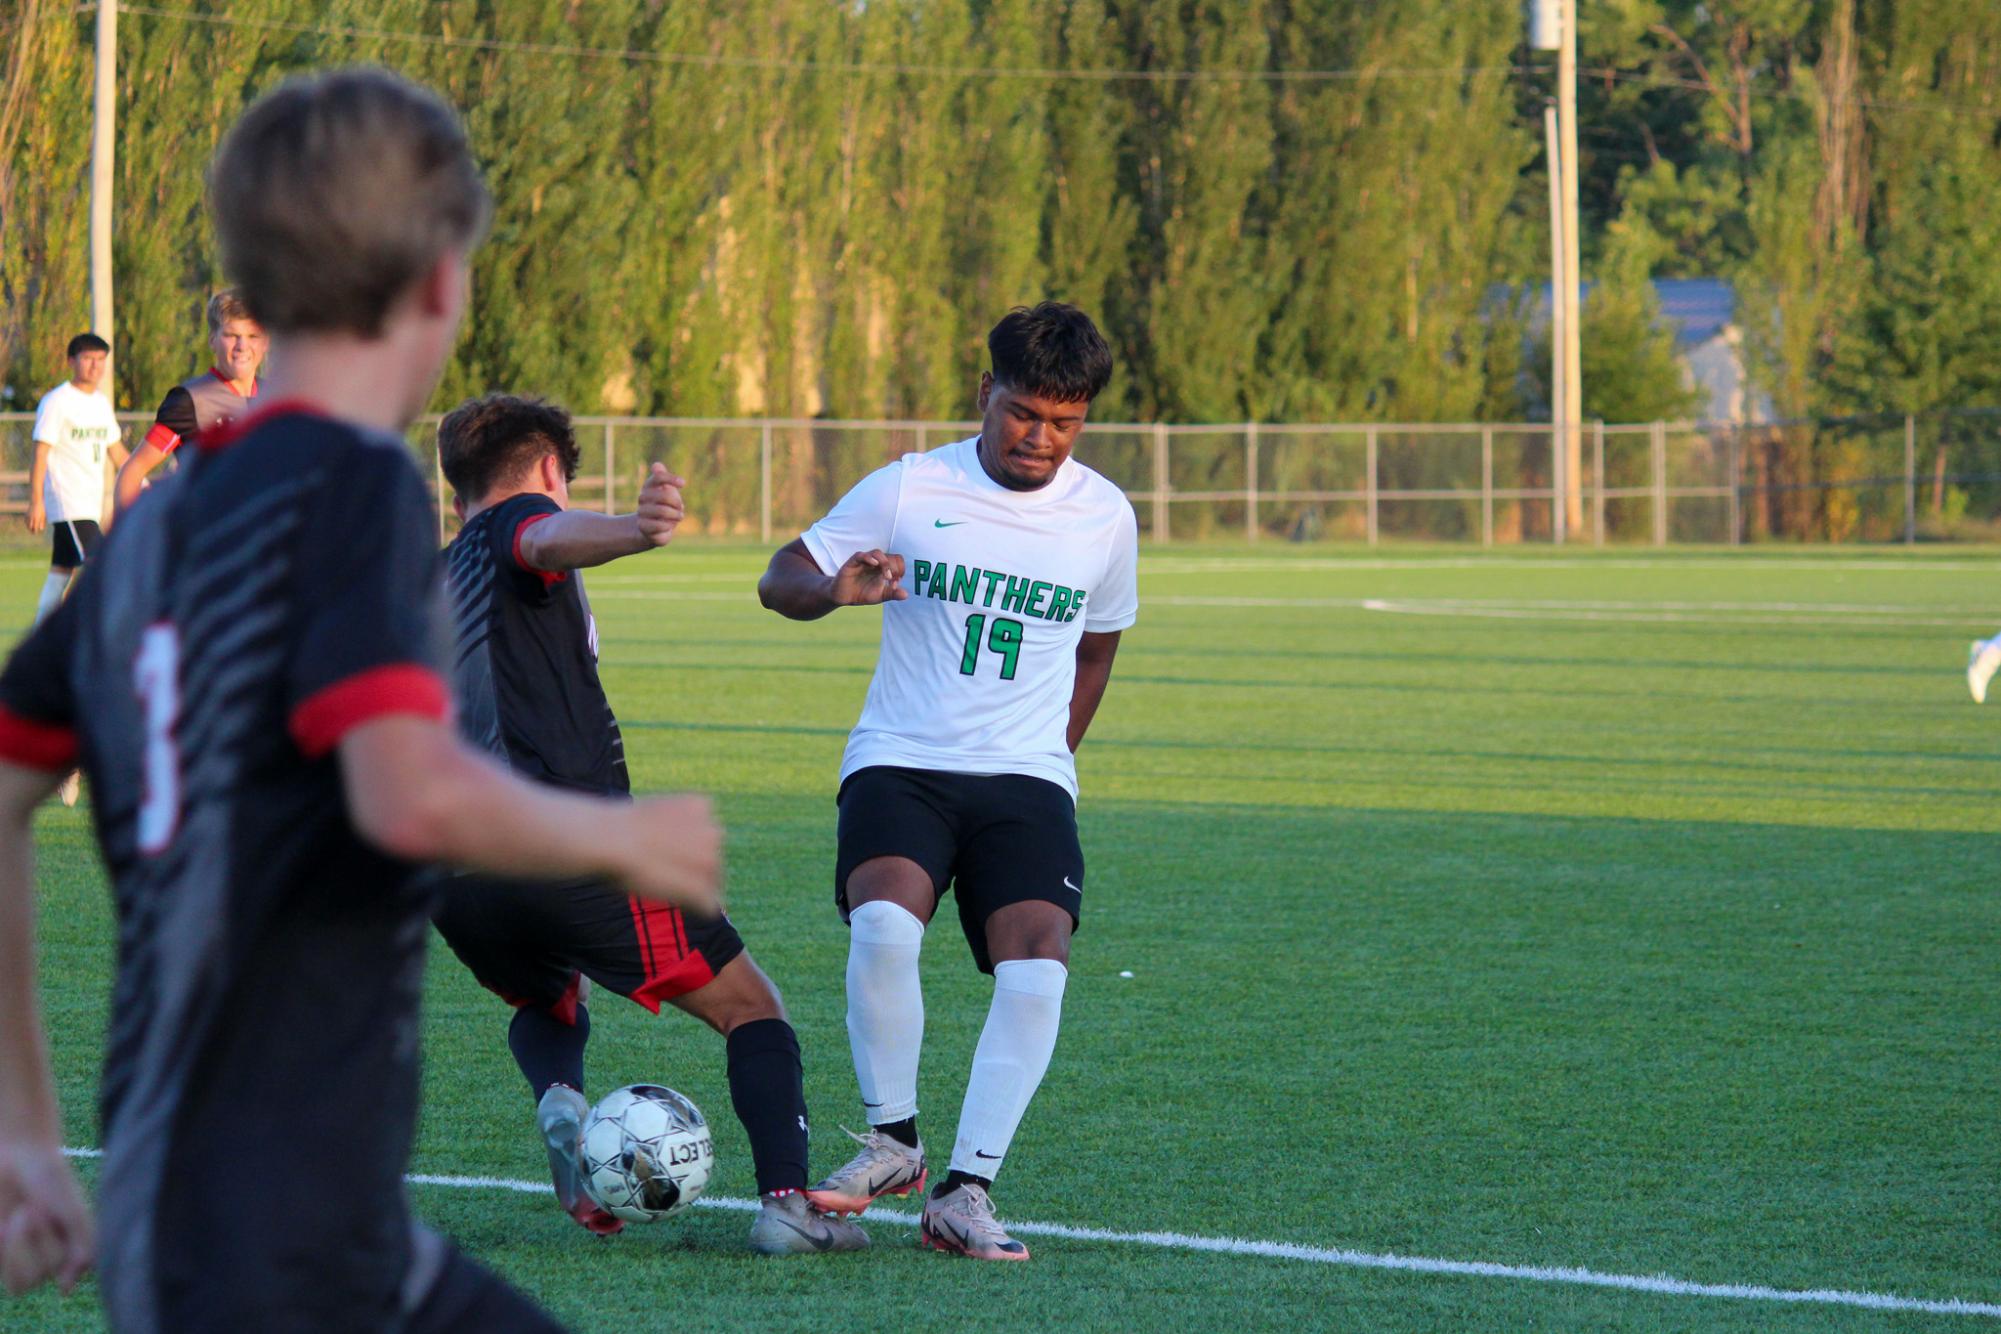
{"x":1558,"y":328}
{"x":1553,"y":27}
{"x":104,"y":121}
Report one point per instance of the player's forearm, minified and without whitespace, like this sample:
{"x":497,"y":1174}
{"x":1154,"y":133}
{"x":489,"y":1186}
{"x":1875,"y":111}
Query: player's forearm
{"x":1094,"y":673}
{"x":793,"y":586}
{"x":579,"y":539}
{"x":38,"y":473}
{"x":132,"y":475}
{"x":463,"y":809}
{"x":27,"y":1088}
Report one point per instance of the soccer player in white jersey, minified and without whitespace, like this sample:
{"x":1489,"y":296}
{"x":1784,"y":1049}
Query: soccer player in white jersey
{"x":76,"y":432}
{"x":1006,"y":571}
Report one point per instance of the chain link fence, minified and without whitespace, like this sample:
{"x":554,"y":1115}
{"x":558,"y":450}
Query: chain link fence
{"x":1934,"y":476}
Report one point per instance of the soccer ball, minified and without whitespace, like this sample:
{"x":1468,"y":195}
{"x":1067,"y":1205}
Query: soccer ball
{"x":647,"y":1153}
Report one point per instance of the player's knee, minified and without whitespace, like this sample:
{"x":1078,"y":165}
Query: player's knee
{"x":1029,"y":931}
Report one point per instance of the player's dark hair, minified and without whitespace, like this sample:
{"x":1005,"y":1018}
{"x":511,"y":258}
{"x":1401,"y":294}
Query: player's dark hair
{"x":484,"y":443}
{"x":224,"y":306}
{"x":1052,"y":351}
{"x":335,"y":192}
{"x":85,"y":342}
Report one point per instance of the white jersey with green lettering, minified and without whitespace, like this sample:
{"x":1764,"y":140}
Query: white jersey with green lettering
{"x":977,"y":664}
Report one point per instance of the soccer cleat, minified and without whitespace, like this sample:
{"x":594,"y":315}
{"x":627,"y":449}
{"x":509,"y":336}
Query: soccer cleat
{"x":560,"y":1118}
{"x":883,"y":1167}
{"x":786,"y":1225}
{"x":962,"y":1222}
{"x":72,"y":787}
{"x":1983,"y":659}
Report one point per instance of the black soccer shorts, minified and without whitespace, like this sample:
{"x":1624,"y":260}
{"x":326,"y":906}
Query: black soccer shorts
{"x":72,"y":542}
{"x":994,"y":839}
{"x":528,"y":942}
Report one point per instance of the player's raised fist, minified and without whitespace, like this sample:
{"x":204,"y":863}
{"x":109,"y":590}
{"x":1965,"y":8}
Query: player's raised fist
{"x":676,"y":853}
{"x":45,"y":1228}
{"x":660,"y":507}
{"x":870,"y":577}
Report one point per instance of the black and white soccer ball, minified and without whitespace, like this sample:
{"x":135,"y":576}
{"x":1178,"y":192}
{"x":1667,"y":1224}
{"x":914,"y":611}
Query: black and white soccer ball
{"x":647,"y":1153}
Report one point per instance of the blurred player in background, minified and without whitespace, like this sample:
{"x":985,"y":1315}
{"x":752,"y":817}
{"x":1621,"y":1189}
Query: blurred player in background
{"x":76,"y":434}
{"x":253,"y":680}
{"x":227,"y":390}
{"x":960,"y":771}
{"x":1982,"y":661}
{"x":528,"y":691}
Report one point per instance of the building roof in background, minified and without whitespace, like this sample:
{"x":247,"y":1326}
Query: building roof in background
{"x":1698,"y":308}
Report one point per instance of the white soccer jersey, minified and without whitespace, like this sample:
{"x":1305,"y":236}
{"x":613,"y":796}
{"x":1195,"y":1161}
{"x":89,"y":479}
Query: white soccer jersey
{"x":79,"y":429}
{"x":977,"y":665}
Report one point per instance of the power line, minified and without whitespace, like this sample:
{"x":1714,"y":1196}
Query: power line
{"x":1354,"y":75}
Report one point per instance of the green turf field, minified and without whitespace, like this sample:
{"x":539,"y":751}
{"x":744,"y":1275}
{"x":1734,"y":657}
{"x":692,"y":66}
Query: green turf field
{"x":1622,"y":913}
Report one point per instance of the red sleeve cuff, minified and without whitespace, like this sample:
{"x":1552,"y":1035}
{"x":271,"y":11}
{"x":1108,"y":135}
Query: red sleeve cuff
{"x":162,"y":439}
{"x":548,"y":577}
{"x":323,"y":718}
{"x":34,"y":745}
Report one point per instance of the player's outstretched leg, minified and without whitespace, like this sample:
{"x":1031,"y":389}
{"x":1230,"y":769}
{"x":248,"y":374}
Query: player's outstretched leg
{"x":549,"y":1049}
{"x":768,"y":1091}
{"x":1982,"y":661}
{"x":886,"y":1032}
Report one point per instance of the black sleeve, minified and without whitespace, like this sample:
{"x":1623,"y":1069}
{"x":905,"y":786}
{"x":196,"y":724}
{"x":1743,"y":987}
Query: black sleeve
{"x":37,"y":699}
{"x":375,"y":635}
{"x":511,"y":518}
{"x":175,"y":422}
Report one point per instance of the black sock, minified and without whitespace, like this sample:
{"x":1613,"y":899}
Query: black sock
{"x":767,"y":1087}
{"x":548,"y":1050}
{"x":955,"y":1179}
{"x":904,"y":1132}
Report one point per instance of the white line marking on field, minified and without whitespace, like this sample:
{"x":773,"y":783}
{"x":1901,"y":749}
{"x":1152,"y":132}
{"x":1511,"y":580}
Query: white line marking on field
{"x":1285,"y":1250}
{"x":1726,"y":613}
{"x":1746,"y":562}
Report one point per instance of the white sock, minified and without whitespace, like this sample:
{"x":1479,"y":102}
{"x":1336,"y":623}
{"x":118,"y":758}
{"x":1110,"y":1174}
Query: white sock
{"x":885,"y":1008}
{"x":53,"y":589}
{"x":1009,"y":1063}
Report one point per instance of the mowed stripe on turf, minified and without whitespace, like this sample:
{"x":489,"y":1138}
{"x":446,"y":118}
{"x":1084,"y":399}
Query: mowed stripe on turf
{"x":1285,"y":1250}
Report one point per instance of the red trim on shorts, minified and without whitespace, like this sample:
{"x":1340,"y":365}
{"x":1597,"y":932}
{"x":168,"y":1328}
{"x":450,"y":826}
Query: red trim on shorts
{"x":162,"y":437}
{"x":549,"y":578}
{"x":228,"y":433}
{"x":49,"y":747}
{"x":327,"y":715}
{"x":672,"y":969}
{"x":564,"y":1007}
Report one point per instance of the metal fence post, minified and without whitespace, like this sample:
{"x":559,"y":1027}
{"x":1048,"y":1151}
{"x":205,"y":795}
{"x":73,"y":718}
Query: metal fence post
{"x":1486,"y":486}
{"x":1559,"y":517}
{"x":1734,"y":448}
{"x":610,"y":472}
{"x":1369,"y":482}
{"x":764,"y":482}
{"x":1660,"y":484}
{"x":1910,"y":480}
{"x":1160,"y":482}
{"x":1598,"y":483}
{"x":1250,"y":481}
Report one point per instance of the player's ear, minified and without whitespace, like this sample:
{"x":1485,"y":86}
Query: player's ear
{"x":444,"y":288}
{"x":986,"y":389}
{"x":459,"y":506}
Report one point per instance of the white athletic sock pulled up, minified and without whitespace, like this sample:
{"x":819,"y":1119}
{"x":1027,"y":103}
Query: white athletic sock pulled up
{"x":53,"y":589}
{"x":885,"y":1008}
{"x":1010,"y":1061}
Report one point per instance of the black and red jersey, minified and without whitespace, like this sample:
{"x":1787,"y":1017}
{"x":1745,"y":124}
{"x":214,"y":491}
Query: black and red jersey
{"x":526,"y":674}
{"x":202,"y":403}
{"x":262,"y":1061}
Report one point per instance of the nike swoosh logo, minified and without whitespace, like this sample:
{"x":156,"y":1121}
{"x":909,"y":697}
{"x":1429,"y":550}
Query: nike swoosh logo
{"x":818,"y":1243}
{"x":940,"y":523}
{"x":1067,"y":885}
{"x":981,"y":1153}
